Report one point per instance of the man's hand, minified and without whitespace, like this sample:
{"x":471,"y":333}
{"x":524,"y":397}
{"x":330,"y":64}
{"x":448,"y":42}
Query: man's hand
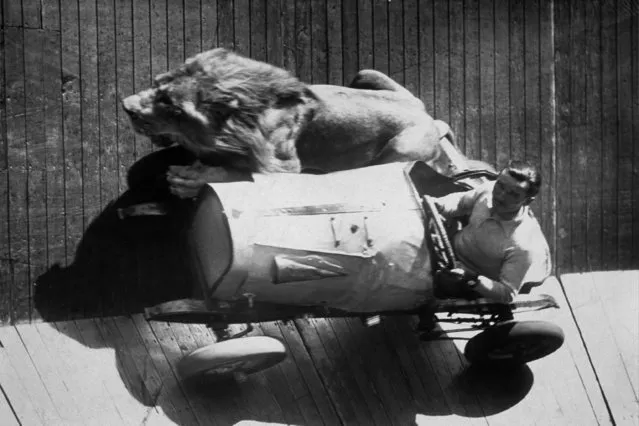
{"x":186,"y":181}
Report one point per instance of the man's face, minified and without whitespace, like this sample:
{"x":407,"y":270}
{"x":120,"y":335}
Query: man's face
{"x":509,"y":194}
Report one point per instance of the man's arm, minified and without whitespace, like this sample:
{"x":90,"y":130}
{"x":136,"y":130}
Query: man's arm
{"x":457,"y":203}
{"x":494,"y":290}
{"x":516,"y":267}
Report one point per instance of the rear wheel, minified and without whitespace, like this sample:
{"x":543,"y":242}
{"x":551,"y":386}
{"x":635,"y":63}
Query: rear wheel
{"x":244,"y":355}
{"x":514,"y":342}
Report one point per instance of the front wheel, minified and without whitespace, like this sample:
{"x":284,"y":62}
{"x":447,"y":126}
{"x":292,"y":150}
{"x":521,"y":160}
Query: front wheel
{"x":243,"y":355}
{"x":514,"y":342}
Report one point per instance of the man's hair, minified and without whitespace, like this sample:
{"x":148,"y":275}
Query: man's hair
{"x":523,"y":171}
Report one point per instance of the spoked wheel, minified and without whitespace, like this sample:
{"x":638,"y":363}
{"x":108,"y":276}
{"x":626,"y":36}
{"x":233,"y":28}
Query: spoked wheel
{"x":514,"y":342}
{"x":243,"y":355}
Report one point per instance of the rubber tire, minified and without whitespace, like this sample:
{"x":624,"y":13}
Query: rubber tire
{"x":541,"y":338}
{"x":242,"y":355}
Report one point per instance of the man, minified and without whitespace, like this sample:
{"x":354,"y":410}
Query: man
{"x":502,"y":247}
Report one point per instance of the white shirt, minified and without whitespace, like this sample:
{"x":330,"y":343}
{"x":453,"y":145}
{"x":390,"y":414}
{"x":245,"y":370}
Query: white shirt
{"x":512,"y":252}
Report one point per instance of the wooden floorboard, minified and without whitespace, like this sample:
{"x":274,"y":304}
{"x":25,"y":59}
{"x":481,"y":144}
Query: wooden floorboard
{"x":7,"y":415}
{"x":23,"y":384}
{"x":606,"y":307}
{"x":123,"y":370}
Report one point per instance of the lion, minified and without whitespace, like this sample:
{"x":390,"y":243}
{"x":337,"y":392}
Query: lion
{"x":250,"y":116}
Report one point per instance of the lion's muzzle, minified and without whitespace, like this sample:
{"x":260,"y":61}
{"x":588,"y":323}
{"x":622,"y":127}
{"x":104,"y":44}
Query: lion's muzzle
{"x":139,"y":107}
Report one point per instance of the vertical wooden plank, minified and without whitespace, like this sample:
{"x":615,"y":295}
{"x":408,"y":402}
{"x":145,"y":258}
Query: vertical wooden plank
{"x":579,"y":135}
{"x":502,"y":83}
{"x":159,"y":36}
{"x":17,"y":165}
{"x":12,"y":13}
{"x":626,"y":143}
{"x":594,"y":135}
{"x":487,"y":79}
{"x":50,"y":14}
{"x":547,"y":117}
{"x":242,"y":26}
{"x":517,"y":81}
{"x":634,"y":8}
{"x":319,"y":42}
{"x":142,"y":76}
{"x":381,"y":60}
{"x":349,"y":40}
{"x":305,"y":62}
{"x":287,"y":29}
{"x":365,"y":45}
{"x":472,"y":104}
{"x":396,"y":45}
{"x":258,"y":30}
{"x":6,"y":276}
{"x":531,"y":72}
{"x":32,"y":13}
{"x":192,"y":28}
{"x":72,"y":121}
{"x":36,"y":157}
{"x":411,"y":46}
{"x":561,"y":18}
{"x":90,"y":113}
{"x":108,"y":105}
{"x":175,"y":33}
{"x":274,"y":53}
{"x":126,"y":147}
{"x":457,"y":53}
{"x":209,"y":24}
{"x":53,"y":127}
{"x":609,"y":131}
{"x":226,"y":19}
{"x":442,"y":61}
{"x":334,"y":41}
{"x":427,"y":57}
{"x":124,"y":84}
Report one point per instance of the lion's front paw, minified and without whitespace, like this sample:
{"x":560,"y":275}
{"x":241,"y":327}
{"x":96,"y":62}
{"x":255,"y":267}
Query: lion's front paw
{"x":186,"y":181}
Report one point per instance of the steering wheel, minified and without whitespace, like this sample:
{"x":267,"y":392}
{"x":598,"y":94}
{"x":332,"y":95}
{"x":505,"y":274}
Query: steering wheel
{"x":439,"y":236}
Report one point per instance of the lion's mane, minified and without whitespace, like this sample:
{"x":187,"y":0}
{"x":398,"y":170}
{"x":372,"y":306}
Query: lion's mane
{"x":240,"y":99}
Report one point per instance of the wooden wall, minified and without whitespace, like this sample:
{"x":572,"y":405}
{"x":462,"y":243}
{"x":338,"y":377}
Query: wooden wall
{"x":553,"y":81}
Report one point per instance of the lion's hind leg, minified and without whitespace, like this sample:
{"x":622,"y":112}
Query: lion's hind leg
{"x":375,"y":80}
{"x":419,"y":142}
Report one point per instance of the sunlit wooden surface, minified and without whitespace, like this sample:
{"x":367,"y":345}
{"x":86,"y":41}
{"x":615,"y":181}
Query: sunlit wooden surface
{"x":121,"y":370}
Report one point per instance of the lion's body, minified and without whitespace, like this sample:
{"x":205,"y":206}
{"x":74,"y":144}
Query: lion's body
{"x":259,"y":118}
{"x":356,"y":127}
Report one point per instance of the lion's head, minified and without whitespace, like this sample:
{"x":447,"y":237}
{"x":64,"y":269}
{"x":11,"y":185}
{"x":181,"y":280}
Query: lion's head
{"x":219,"y":102}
